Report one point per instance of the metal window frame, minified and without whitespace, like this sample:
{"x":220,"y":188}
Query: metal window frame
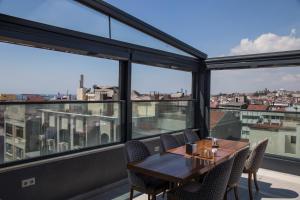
{"x":264,"y":60}
{"x":38,"y":35}
{"x":201,"y":92}
{"x":35,"y":34}
{"x":256,"y":61}
{"x":125,"y":95}
{"x":134,"y":22}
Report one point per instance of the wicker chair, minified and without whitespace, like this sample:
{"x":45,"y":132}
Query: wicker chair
{"x":167,"y":142}
{"x":253,"y":164}
{"x":137,"y":151}
{"x":236,"y":171}
{"x":190,"y":136}
{"x":213,"y":186}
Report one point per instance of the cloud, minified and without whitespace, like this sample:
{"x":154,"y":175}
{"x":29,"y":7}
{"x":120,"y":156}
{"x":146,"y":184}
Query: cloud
{"x":291,"y":78}
{"x":268,"y":42}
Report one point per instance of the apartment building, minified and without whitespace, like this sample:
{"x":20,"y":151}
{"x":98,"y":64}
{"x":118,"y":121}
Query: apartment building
{"x":282,"y":129}
{"x":35,"y":130}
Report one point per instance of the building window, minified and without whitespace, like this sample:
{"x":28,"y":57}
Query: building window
{"x":20,"y":132}
{"x":290,"y":144}
{"x":9,"y":149}
{"x":8,"y":129}
{"x":293,"y":139}
{"x":19,"y":153}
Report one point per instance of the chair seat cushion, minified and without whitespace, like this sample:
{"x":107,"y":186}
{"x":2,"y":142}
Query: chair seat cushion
{"x":192,"y":187}
{"x":148,"y":184}
{"x":188,"y":191}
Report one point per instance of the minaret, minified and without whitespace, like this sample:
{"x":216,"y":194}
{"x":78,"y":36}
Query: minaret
{"x":81,"y":81}
{"x":81,"y":91}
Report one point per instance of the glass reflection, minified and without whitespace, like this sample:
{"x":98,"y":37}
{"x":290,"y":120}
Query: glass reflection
{"x":28,"y":131}
{"x":62,"y":13}
{"x":123,"y":32}
{"x":151,"y":118}
{"x":281,"y":128}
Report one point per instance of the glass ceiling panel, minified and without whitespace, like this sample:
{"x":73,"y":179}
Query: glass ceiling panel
{"x":62,"y":13}
{"x":125,"y":33}
{"x":72,"y":15}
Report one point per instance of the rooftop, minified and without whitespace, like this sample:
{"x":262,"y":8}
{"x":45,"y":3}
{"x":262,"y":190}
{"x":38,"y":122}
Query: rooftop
{"x":61,"y":138}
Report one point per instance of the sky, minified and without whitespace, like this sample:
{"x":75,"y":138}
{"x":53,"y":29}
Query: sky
{"x":218,"y":28}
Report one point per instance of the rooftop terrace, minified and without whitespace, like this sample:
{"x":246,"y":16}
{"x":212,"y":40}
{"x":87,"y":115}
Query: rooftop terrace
{"x":70,"y":144}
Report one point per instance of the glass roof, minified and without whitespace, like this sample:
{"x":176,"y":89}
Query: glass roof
{"x":73,"y":15}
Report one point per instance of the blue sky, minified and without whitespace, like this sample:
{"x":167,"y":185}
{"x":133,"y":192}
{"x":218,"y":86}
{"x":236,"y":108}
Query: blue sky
{"x":218,"y":28}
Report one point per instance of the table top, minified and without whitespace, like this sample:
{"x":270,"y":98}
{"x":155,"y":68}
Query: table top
{"x":177,"y":166}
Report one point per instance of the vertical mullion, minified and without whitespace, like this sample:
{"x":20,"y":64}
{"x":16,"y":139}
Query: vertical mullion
{"x":201,"y":93}
{"x":205,"y":102}
{"x":125,"y":97}
{"x":207,"y":99}
{"x":195,"y":97}
{"x":109,"y":26}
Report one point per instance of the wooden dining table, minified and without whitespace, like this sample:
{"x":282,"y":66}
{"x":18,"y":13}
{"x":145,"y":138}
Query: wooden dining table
{"x":177,"y":166}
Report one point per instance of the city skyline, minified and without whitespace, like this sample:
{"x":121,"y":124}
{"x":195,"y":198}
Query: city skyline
{"x":92,"y":89}
{"x":252,"y":80}
{"x":51,"y":72}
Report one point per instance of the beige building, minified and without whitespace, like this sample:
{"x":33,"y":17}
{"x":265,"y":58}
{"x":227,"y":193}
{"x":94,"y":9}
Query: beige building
{"x":282,"y":130}
{"x":8,"y":97}
{"x":23,"y":130}
{"x":81,"y":94}
{"x":283,"y":141}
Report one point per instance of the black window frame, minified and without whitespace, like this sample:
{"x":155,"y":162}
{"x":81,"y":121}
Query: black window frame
{"x":38,"y":35}
{"x":256,"y":61}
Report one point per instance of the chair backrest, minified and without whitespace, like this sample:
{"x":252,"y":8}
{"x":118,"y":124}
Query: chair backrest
{"x":167,"y":142}
{"x":238,"y":166}
{"x":215,"y":182}
{"x":136,"y":151}
{"x":256,"y":157}
{"x":190,"y":136}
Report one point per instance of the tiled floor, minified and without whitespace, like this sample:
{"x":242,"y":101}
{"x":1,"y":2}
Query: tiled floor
{"x":273,"y":185}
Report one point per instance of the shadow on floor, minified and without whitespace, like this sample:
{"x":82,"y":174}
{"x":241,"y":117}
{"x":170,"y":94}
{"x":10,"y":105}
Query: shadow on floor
{"x":120,"y":192}
{"x":266,"y":191}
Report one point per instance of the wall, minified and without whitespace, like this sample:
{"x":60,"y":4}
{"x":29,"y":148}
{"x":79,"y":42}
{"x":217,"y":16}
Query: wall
{"x":65,"y":178}
{"x":68,"y":177}
{"x":278,"y":143}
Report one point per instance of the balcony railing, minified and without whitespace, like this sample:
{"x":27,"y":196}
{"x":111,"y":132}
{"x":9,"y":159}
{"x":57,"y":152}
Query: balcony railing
{"x":156,"y":117}
{"x":35,"y":130}
{"x":41,"y":129}
{"x":281,"y":128}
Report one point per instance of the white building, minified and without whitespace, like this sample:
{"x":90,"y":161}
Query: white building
{"x":281,"y":128}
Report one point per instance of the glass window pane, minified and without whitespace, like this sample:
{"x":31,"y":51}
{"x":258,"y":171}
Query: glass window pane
{"x":125,"y":33}
{"x":149,"y":83}
{"x":152,"y":118}
{"x":75,"y":126}
{"x":37,"y":75}
{"x":161,"y":100}
{"x":32,"y":74}
{"x":62,"y":13}
{"x":254,"y":104}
